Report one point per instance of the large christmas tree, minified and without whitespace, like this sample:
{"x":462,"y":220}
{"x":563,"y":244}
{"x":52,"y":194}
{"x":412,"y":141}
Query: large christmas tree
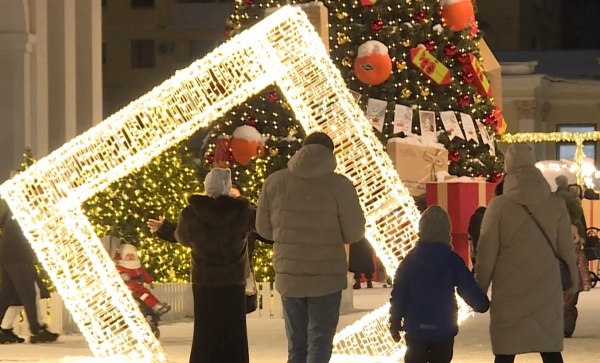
{"x":403,"y":58}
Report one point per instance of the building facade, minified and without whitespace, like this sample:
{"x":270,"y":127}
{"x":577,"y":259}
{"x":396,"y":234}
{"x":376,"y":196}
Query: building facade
{"x":539,"y":96}
{"x":51,"y":88}
{"x":145,"y":41}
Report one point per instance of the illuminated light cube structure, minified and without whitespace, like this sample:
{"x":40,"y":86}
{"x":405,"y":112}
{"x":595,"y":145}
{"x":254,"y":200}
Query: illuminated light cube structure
{"x":283,"y":49}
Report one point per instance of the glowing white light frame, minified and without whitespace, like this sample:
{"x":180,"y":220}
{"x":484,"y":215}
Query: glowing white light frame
{"x":283,"y":49}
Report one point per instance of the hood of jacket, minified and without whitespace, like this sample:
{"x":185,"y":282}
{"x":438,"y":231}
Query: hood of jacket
{"x":526,"y":186}
{"x":312,"y":161}
{"x":218,"y":211}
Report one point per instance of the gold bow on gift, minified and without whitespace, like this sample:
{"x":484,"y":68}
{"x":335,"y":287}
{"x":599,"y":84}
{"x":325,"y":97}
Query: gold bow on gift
{"x":435,"y":160}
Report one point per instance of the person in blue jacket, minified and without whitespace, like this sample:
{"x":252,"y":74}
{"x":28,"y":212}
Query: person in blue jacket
{"x":423,"y":302}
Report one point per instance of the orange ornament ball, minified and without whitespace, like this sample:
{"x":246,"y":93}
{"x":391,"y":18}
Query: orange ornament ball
{"x":247,"y":143}
{"x":373,"y":64}
{"x":457,"y":14}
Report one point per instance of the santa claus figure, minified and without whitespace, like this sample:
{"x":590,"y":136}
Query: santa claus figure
{"x":135,"y":275}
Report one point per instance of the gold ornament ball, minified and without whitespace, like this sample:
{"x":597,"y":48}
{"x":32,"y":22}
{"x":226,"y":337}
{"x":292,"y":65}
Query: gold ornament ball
{"x":274,"y":152}
{"x":401,"y":66}
{"x":406,"y":93}
{"x":341,"y":15}
{"x":478,"y":98}
{"x":347,"y":62}
{"x":406,"y":43}
{"x":425,"y":91}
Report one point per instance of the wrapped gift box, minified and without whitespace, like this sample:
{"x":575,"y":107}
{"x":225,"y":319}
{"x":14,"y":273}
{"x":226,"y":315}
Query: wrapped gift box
{"x":460,"y":200}
{"x":417,"y":164}
{"x":591,"y":211}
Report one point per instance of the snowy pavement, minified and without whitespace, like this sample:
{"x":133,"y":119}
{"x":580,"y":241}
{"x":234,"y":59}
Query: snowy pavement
{"x":268,"y":343}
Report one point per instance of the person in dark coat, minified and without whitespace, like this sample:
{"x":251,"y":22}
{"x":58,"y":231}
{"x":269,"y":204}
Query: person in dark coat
{"x":361,"y":262}
{"x":18,"y":284}
{"x":214,"y":226}
{"x":474,"y":229}
{"x":423,"y":302}
{"x":14,"y":310}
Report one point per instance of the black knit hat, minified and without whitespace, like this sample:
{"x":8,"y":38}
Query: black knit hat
{"x":319,"y":138}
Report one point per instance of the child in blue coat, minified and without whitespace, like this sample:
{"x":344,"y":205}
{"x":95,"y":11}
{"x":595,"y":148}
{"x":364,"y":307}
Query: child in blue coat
{"x":423,"y":302}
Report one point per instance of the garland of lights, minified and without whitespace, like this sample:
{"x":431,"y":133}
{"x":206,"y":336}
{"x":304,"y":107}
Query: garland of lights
{"x":576,"y":137}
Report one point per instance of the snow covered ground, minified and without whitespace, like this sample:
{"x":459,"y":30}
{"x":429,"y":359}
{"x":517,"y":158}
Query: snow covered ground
{"x":268,"y":342}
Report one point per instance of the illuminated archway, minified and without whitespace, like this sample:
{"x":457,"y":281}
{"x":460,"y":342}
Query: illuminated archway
{"x":283,"y":49}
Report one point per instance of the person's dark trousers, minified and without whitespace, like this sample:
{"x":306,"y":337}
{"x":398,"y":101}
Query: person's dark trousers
{"x":18,"y":282}
{"x":310,"y":324}
{"x":571,"y":316}
{"x":420,"y":351}
{"x":358,"y":277}
{"x":554,"y":357}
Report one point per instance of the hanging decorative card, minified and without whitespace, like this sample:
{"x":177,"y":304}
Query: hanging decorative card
{"x":356,"y":95}
{"x":485,"y":136}
{"x":427,"y":121}
{"x":451,"y":124}
{"x":376,"y":112}
{"x":469,"y":127}
{"x":430,"y":66}
{"x":403,"y":116}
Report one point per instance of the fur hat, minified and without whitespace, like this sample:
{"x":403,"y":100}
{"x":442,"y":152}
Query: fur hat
{"x":435,"y":226}
{"x":217,"y":182}
{"x":562,"y":182}
{"x":518,"y":156}
{"x":319,"y":138}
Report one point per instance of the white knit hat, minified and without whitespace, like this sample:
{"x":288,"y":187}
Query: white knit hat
{"x":435,"y":225}
{"x":217,"y":182}
{"x":518,"y":156}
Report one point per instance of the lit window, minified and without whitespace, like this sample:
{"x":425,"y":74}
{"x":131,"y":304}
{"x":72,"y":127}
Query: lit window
{"x":566,"y":150}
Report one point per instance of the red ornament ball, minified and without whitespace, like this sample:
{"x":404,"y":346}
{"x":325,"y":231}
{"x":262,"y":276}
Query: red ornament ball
{"x":495,"y":177}
{"x":462,"y":57}
{"x":376,"y":24}
{"x":419,"y":16}
{"x":454,"y":156}
{"x":429,"y":44}
{"x":450,"y":50}
{"x":248,"y":2}
{"x":227,"y":32}
{"x":273,"y":96}
{"x":230,"y":157}
{"x":463,"y":100}
{"x":210,"y":158}
{"x":490,"y":119}
{"x":251,"y":121}
{"x":468,"y":77}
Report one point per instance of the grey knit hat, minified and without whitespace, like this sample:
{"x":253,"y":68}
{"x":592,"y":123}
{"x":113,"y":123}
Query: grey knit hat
{"x":435,"y":225}
{"x":217,"y":182}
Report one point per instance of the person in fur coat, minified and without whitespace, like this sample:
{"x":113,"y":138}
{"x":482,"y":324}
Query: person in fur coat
{"x":214,"y":226}
{"x":135,"y":275}
{"x":514,"y":258}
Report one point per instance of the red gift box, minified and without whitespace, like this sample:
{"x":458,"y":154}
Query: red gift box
{"x":591,"y":211}
{"x":460,"y":200}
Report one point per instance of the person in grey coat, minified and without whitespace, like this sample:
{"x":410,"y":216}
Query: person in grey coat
{"x":513,"y":256}
{"x":310,"y":212}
